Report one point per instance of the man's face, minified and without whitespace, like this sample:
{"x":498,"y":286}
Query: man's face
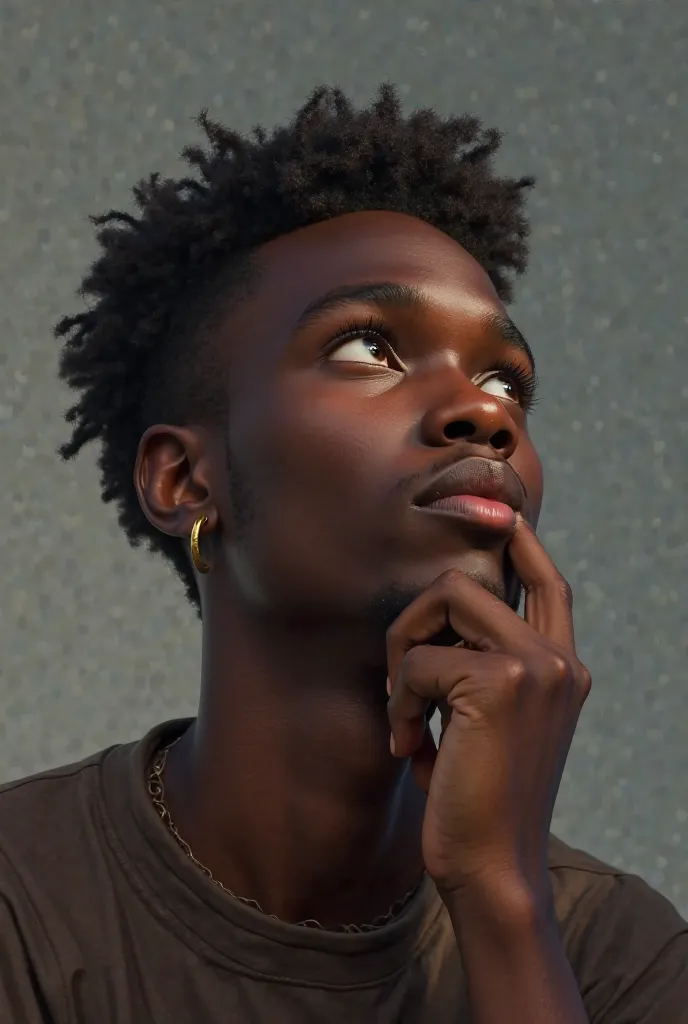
{"x":371,"y":357}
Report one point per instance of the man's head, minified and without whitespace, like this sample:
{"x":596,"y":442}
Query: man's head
{"x":300,"y":344}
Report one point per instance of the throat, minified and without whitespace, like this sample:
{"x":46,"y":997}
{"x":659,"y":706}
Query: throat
{"x":316,"y":827}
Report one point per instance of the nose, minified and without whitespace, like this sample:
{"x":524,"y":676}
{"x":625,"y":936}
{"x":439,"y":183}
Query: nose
{"x":464,"y":412}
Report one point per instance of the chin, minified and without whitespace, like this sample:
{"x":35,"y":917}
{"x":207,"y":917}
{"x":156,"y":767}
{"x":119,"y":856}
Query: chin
{"x":391,"y":602}
{"x":507,"y":588}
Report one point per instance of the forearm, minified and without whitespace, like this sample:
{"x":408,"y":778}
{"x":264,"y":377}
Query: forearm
{"x":516,"y":968}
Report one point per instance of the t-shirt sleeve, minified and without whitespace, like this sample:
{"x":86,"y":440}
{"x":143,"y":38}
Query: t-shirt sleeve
{"x":631,"y":955}
{"x":28,"y":967}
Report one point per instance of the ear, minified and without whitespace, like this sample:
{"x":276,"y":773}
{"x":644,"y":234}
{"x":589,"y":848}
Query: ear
{"x":173,"y":478}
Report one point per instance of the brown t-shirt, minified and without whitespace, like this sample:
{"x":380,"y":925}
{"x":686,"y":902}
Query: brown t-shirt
{"x":104,"y":920}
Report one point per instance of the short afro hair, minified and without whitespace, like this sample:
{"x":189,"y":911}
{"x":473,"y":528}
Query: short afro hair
{"x":164,"y":276}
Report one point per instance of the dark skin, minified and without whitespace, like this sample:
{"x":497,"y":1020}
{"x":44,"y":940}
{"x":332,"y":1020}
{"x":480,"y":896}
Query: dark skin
{"x":326,"y":578}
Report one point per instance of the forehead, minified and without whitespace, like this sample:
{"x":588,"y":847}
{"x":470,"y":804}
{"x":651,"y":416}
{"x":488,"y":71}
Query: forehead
{"x":371,"y":246}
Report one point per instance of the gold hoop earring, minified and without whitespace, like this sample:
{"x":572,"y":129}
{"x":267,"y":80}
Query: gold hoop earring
{"x":196,"y":558}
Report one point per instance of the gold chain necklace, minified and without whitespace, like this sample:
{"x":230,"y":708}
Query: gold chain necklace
{"x":156,"y":788}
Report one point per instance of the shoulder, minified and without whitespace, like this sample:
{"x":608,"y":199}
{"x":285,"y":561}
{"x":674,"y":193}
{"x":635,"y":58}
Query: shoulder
{"x":579,"y":879}
{"x":48,"y":849}
{"x":583,"y":885}
{"x":49,"y":832}
{"x":627,"y":944}
{"x":56,"y":827}
{"x":32,"y":785}
{"x":52,"y":829}
{"x":46,"y":803}
{"x":593,"y":897}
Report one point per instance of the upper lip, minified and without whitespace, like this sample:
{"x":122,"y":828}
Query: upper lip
{"x":482,"y":477}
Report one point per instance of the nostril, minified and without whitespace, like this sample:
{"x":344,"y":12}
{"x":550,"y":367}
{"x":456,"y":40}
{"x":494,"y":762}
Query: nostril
{"x":502,"y":439}
{"x":460,"y":428}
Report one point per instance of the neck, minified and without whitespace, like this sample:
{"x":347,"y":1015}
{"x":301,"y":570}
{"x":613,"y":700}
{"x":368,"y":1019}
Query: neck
{"x":284,"y":787}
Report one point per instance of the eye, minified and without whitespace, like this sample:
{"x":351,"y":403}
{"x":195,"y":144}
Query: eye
{"x":366,"y":349}
{"x":511,"y":383}
{"x":364,"y":342}
{"x":501,"y":387}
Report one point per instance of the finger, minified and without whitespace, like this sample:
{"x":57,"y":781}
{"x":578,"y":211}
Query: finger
{"x":439,"y":706}
{"x":428,"y":674}
{"x":445,"y":717}
{"x":458,"y":602}
{"x":420,"y":682}
{"x":423,"y":761}
{"x":548,"y":601}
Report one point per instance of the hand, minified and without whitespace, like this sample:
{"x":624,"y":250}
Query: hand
{"x":513,"y":696}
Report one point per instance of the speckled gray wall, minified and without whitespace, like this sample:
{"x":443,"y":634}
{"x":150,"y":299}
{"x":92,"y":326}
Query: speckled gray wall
{"x":96,"y":643}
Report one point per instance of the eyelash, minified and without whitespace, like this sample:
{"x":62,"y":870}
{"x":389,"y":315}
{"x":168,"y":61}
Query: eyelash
{"x":372,"y":326}
{"x":526,"y":381}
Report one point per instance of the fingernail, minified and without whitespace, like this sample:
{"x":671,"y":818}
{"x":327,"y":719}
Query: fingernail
{"x":389,"y":687}
{"x":392,"y":745}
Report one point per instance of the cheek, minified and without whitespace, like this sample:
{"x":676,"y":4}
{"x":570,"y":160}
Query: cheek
{"x":527,"y":464}
{"x":318,"y":466}
{"x":535,"y":504}
{"x":326,"y":449}
{"x":317,"y":471}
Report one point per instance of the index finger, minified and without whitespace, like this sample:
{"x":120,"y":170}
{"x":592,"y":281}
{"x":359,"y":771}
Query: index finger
{"x":455,"y":600}
{"x":549,"y":601}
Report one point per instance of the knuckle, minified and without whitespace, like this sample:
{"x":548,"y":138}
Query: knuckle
{"x":584,"y":682}
{"x":555,"y":585}
{"x":564,"y":590}
{"x":559,"y":670}
{"x":514,"y":672}
{"x":412,"y":663}
{"x":451,"y":578}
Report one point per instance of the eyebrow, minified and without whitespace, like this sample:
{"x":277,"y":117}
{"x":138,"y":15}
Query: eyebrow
{"x":405,"y":296}
{"x":505,"y":327}
{"x":383,"y":293}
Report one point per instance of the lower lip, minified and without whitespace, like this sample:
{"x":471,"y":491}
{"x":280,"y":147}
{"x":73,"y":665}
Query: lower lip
{"x":482,"y":512}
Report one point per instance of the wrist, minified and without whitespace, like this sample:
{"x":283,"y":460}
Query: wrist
{"x":502,"y":901}
{"x":514,"y":960}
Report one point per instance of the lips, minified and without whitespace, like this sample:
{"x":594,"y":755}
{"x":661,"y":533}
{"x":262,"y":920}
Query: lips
{"x":481,"y":477}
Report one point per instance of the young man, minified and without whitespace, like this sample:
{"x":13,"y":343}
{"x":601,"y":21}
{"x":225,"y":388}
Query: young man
{"x":311,"y":400}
